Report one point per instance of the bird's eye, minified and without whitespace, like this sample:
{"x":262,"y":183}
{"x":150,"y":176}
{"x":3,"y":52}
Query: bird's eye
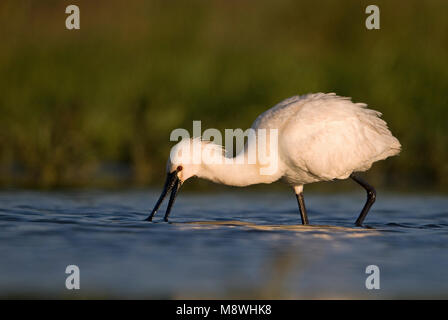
{"x":179,"y":168}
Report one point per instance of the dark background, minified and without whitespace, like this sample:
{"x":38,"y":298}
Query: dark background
{"x":94,"y":107}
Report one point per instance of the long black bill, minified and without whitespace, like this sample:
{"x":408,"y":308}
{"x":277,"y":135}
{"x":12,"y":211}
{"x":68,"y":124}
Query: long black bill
{"x":171,"y":181}
{"x":176,"y":187}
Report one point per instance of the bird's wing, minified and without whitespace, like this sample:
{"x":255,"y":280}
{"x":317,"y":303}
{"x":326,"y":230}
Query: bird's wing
{"x":277,"y":116}
{"x":330,"y":137}
{"x":274,"y":117}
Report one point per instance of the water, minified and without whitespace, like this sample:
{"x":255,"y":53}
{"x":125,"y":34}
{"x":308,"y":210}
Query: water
{"x":236,"y":244}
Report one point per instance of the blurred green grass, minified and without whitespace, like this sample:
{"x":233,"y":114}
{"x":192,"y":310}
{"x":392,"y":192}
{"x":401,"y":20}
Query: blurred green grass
{"x":95,"y":107}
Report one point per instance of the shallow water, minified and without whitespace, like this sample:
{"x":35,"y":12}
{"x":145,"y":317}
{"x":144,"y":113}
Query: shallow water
{"x":227,"y":245}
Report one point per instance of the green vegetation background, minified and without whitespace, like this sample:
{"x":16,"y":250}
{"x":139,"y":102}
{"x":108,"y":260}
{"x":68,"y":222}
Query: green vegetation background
{"x":95,"y":107}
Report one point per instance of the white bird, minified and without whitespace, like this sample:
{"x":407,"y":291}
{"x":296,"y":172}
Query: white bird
{"x":321,"y":137}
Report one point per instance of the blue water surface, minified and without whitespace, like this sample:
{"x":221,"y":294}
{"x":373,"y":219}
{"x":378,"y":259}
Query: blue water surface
{"x":221,"y":245}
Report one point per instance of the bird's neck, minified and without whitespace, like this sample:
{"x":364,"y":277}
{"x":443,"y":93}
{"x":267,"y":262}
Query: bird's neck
{"x":239,"y":171}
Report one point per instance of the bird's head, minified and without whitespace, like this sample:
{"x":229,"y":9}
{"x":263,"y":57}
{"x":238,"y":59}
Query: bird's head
{"x":185,"y":161}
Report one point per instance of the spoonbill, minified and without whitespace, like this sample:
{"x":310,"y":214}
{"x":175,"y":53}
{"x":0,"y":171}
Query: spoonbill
{"x":321,"y":137}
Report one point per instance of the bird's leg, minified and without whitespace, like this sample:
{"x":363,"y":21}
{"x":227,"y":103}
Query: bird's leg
{"x":301,"y":201}
{"x":302,"y":208}
{"x":371,"y":196}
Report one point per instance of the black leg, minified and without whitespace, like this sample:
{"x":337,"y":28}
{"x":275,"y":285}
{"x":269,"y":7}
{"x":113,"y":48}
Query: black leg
{"x":371,"y":196}
{"x":302,"y":208}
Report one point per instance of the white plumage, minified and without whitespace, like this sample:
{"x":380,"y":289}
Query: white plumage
{"x":326,"y":137}
{"x":321,"y":137}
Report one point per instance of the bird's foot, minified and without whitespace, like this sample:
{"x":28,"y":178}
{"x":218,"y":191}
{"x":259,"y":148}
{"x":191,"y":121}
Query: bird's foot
{"x":363,"y":226}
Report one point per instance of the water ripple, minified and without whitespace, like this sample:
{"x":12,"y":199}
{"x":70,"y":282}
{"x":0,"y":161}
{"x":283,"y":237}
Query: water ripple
{"x":220,"y":243}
